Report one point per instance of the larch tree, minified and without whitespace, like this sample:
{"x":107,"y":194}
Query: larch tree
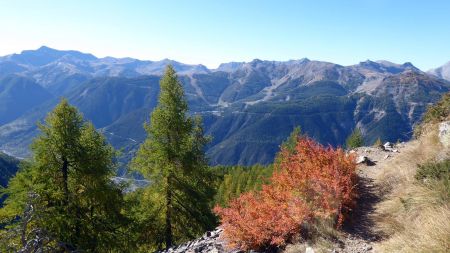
{"x":74,"y":198}
{"x":355,"y":139}
{"x":172,"y":159}
{"x":289,"y":144}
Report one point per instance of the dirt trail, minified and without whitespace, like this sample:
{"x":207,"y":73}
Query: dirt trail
{"x":359,"y":231}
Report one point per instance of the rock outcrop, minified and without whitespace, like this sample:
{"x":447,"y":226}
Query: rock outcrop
{"x":210,"y":242}
{"x":444,"y":133}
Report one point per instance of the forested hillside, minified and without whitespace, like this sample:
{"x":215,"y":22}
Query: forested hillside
{"x":248,"y":108}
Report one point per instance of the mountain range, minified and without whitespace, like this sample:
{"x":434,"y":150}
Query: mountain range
{"x":248,"y":108}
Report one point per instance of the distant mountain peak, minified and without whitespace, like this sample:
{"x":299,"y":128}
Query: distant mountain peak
{"x":442,"y":71}
{"x":383,"y":66}
{"x":408,"y":64}
{"x":44,"y":49}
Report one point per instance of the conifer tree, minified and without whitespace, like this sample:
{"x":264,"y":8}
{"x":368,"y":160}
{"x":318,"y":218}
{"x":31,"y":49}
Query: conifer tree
{"x":355,"y":139}
{"x":74,"y":201}
{"x":289,"y":144}
{"x":172,"y":158}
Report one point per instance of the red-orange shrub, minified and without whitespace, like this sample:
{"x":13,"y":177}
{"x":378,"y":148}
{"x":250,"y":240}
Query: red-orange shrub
{"x":311,"y":183}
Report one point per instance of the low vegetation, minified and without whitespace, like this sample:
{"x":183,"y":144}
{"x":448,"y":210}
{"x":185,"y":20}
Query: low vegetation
{"x":438,"y":112}
{"x":415,"y":211}
{"x":310,"y":184}
{"x":436,"y":175}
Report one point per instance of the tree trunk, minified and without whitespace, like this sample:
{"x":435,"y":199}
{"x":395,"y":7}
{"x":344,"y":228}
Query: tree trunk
{"x":64,"y":170}
{"x":168,"y":235}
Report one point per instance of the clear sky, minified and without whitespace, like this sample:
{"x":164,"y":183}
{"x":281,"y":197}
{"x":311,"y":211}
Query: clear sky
{"x":210,"y":32}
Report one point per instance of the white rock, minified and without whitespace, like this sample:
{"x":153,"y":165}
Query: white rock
{"x":361,"y":159}
{"x":309,"y":250}
{"x":444,"y":133}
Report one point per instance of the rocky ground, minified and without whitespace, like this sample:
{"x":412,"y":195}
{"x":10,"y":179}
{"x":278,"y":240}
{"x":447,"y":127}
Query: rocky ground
{"x":359,"y":232}
{"x":209,"y":242}
{"x":358,"y":235}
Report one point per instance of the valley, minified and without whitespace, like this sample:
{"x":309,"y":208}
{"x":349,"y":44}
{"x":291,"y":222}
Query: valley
{"x":247,"y":108}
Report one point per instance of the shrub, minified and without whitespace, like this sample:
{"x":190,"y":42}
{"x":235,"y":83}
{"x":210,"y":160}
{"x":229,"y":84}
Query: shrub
{"x":437,"y":176}
{"x":434,"y":170}
{"x":378,"y":142}
{"x":313,"y":183}
{"x":439,"y":111}
{"x":436,"y":113}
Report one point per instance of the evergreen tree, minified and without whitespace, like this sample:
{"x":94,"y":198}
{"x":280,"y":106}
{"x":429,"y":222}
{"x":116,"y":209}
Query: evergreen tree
{"x":172,"y":158}
{"x":235,"y":180}
{"x":291,"y":141}
{"x":74,"y":201}
{"x":289,"y":144}
{"x":355,"y":139}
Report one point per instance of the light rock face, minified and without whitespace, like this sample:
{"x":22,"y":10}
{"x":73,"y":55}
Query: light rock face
{"x":210,"y":242}
{"x":361,"y":159}
{"x":444,"y":133}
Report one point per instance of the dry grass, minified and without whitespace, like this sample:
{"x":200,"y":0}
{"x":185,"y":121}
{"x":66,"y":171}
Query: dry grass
{"x":413,"y":216}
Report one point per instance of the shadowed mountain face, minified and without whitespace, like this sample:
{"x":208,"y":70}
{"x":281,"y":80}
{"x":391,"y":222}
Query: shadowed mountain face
{"x":248,"y":108}
{"x":8,"y":168}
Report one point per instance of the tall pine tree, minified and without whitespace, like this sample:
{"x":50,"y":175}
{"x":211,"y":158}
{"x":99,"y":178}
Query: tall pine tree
{"x":172,"y":159}
{"x":74,"y":200}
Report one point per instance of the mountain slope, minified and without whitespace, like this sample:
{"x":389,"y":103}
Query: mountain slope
{"x":441,"y":72}
{"x":248,"y":107}
{"x":59,"y":70}
{"x":18,"y":95}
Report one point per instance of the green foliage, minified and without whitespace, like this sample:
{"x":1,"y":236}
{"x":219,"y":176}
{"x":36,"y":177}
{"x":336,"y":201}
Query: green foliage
{"x":178,"y":200}
{"x":438,"y":112}
{"x":234,"y":180}
{"x":70,"y":176}
{"x":437,"y":176}
{"x":289,"y":144}
{"x":355,"y":139}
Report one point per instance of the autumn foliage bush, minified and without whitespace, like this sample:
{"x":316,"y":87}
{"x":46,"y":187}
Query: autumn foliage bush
{"x":312,"y":183}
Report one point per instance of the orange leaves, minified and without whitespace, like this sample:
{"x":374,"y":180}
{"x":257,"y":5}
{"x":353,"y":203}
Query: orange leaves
{"x":312,"y":182}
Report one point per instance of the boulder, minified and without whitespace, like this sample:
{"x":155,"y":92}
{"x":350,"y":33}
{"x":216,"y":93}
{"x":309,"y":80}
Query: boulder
{"x":364,"y":160}
{"x":209,"y":242}
{"x":444,"y":133}
{"x":309,"y":250}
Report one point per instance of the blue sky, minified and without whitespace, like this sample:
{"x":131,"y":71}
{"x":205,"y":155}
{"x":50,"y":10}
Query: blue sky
{"x":211,"y":32}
